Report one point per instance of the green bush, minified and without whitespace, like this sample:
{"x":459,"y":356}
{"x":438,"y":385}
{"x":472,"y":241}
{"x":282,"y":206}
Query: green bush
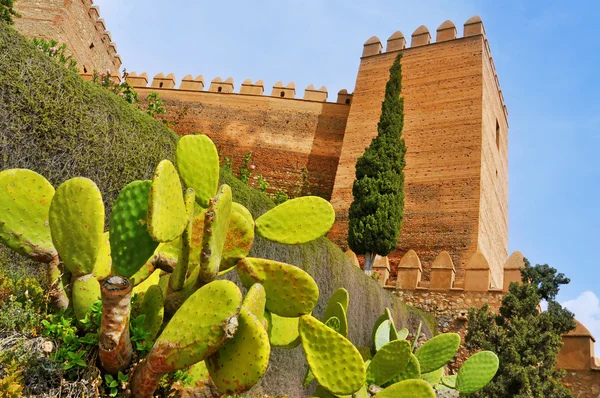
{"x":59,"y":125}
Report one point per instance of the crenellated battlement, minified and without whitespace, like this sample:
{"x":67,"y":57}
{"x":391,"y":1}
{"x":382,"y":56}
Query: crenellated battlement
{"x":227,"y":86}
{"x":444,"y":33}
{"x":103,"y":33}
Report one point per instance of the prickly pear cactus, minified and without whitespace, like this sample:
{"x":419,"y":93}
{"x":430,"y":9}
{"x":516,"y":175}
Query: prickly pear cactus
{"x":186,"y":241}
{"x":388,"y":362}
{"x":166,"y":209}
{"x":291,"y":292}
{"x":449,"y":381}
{"x":297,"y":221}
{"x":25,"y":198}
{"x":77,"y":224}
{"x":283,"y":332}
{"x":393,"y":331}
{"x":205,"y":321}
{"x":255,"y":301}
{"x":198,"y":165}
{"x":153,"y":310}
{"x":408,"y":388}
{"x":339,"y":296}
{"x":434,"y":377}
{"x":131,"y":244}
{"x":216,"y":225}
{"x":240,"y":237}
{"x":243,"y":360}
{"x":438,"y":351}
{"x":382,"y":334}
{"x":402,"y":334}
{"x":477,"y":372}
{"x":335,"y":362}
{"x":103,"y":264}
{"x":340,"y":315}
{"x":85,"y":292}
{"x":412,"y":371}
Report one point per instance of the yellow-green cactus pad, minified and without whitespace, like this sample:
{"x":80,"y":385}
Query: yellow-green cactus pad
{"x":297,"y":221}
{"x":411,"y":371}
{"x":334,"y":323}
{"x":205,"y":321}
{"x":477,"y":372}
{"x":77,"y":224}
{"x":103,"y":264}
{"x":25,"y":198}
{"x":390,"y":360}
{"x":196,"y":241}
{"x":255,"y":300}
{"x":166,"y":209}
{"x":438,"y":351}
{"x":339,"y":313}
{"x":291,"y":292}
{"x":321,"y":392}
{"x":408,"y":388}
{"x":243,"y":360}
{"x":402,"y":334}
{"x":449,"y":381}
{"x":179,"y":273}
{"x":196,"y":375}
{"x":339,"y":296}
{"x":216,"y":225}
{"x":198,"y":165}
{"x":335,"y":362}
{"x":240,"y":236}
{"x":284,"y":332}
{"x":143,"y":287}
{"x":86,"y":291}
{"x":153,"y":310}
{"x":382,"y":334}
{"x":130,"y":243}
{"x":434,"y":377}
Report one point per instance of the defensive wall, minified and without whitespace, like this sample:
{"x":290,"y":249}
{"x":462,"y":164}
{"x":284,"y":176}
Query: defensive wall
{"x":77,"y":24}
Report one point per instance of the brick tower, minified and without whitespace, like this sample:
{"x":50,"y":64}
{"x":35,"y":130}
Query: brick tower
{"x":456,"y":133}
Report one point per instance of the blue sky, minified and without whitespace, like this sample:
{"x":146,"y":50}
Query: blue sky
{"x":545,"y":52}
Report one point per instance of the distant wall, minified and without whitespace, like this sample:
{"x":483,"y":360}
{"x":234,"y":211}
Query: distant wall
{"x":285,"y":134}
{"x":77,"y":24}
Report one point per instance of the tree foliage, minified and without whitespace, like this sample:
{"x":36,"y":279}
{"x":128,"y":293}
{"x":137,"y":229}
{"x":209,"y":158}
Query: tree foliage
{"x":378,"y":207}
{"x":526,"y":340}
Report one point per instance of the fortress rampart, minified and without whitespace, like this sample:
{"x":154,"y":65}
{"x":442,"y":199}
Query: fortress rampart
{"x":76,"y":23}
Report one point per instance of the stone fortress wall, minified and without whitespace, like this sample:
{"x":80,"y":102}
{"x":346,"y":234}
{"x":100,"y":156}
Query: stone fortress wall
{"x":453,"y":248}
{"x":77,"y":24}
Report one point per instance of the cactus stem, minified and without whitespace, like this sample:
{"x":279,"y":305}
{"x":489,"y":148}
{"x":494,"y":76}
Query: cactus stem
{"x":59,"y":298}
{"x":163,"y":262}
{"x":115,"y":349}
{"x":145,"y":380}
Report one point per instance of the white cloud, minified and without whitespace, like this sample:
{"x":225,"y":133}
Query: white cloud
{"x":586,"y":308}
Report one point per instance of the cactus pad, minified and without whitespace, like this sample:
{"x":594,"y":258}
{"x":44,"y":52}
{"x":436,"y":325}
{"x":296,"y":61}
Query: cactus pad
{"x":150,"y":281}
{"x":284,"y":332}
{"x":240,"y":236}
{"x":333,"y":323}
{"x":335,"y":362}
{"x":243,"y":360}
{"x":291,"y":292}
{"x":198,"y":165}
{"x":339,"y":296}
{"x":382,"y":334}
{"x":434,"y":377}
{"x":449,"y":381}
{"x":408,"y":388}
{"x":166,"y":209}
{"x":216,"y":224}
{"x":402,"y":334}
{"x":205,"y":321}
{"x":77,"y":223}
{"x":25,"y":198}
{"x":86,"y":291}
{"x":255,"y":301}
{"x":340,"y":314}
{"x":390,"y":360}
{"x":412,"y":371}
{"x":196,"y":375}
{"x":130,"y":243}
{"x":297,"y":221}
{"x":152,"y":309}
{"x":183,"y":258}
{"x":477,"y":372}
{"x":438,"y":351}
{"x":103,"y":264}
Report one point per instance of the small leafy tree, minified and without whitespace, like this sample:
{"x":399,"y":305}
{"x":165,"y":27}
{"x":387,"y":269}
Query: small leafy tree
{"x":378,"y":207}
{"x":526,"y":340}
{"x":7,"y":11}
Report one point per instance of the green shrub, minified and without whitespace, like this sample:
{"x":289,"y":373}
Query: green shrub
{"x":54,"y":122}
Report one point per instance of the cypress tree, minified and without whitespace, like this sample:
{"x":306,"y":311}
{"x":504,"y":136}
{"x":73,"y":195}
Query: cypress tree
{"x":378,"y":207}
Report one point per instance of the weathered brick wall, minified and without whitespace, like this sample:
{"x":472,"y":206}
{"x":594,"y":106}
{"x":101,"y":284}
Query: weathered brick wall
{"x":445,"y":105}
{"x":285,"y":135}
{"x":75,"y":23}
{"x":583,"y":383}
